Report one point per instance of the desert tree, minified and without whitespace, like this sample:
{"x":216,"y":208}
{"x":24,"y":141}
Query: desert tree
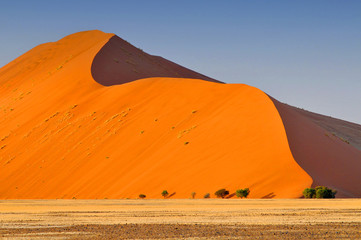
{"x":165,"y":194}
{"x":309,"y":193}
{"x":242,"y":193}
{"x":325,"y":192}
{"x":221,"y":193}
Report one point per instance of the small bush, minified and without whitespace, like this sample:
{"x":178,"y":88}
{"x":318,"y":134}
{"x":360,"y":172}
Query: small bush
{"x":242,"y":193}
{"x":193,"y":194}
{"x":142,"y":196}
{"x":325,"y":192}
{"x":221,"y":193}
{"x":309,"y":193}
{"x":207,"y":195}
{"x":165,"y":193}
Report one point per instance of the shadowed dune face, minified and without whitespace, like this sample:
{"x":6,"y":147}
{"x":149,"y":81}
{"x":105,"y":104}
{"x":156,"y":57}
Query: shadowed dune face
{"x":346,"y":131}
{"x":329,"y":160}
{"x":119,"y":62}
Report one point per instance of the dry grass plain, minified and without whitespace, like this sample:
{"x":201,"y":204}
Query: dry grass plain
{"x":181,"y":219}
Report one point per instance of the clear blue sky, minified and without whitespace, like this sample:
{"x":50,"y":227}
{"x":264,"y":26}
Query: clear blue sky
{"x":304,"y":53}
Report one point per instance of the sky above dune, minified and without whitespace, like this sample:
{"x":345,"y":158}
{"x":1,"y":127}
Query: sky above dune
{"x":304,"y":53}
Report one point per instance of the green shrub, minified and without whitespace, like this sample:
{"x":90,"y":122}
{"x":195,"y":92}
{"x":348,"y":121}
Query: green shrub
{"x":165,"y":193}
{"x":319,"y":192}
{"x":242,"y":193}
{"x":207,"y":195}
{"x":309,"y":193}
{"x":193,"y":194}
{"x":325,"y":192}
{"x":142,"y":196}
{"x":221,"y":193}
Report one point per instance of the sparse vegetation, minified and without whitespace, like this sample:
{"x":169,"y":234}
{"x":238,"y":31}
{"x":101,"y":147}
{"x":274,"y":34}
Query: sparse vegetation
{"x":325,"y":192}
{"x":193,"y":194}
{"x":242,"y":193}
{"x":221,"y":193}
{"x":3,"y":138}
{"x":207,"y":195}
{"x":142,"y":196}
{"x":181,"y":133}
{"x":130,"y":62}
{"x":114,"y":116}
{"x":165,"y":194}
{"x":345,"y":140}
{"x":309,"y":193}
{"x":319,"y":192}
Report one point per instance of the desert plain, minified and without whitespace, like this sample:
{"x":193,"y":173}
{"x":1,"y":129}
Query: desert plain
{"x":181,"y":219}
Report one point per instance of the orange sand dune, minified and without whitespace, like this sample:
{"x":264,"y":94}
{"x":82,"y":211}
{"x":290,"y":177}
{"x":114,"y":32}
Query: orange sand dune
{"x":63,"y":135}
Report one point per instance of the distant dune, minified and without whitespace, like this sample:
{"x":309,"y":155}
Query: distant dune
{"x":91,"y":116}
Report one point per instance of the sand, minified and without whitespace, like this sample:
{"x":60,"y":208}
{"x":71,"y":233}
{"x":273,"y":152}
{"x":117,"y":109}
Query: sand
{"x":66,"y":136}
{"x":209,"y":218}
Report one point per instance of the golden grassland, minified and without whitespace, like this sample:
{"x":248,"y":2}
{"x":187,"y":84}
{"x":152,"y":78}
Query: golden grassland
{"x":181,"y":218}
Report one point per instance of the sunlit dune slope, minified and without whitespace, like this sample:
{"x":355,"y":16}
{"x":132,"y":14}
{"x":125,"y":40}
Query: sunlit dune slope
{"x":63,"y":135}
